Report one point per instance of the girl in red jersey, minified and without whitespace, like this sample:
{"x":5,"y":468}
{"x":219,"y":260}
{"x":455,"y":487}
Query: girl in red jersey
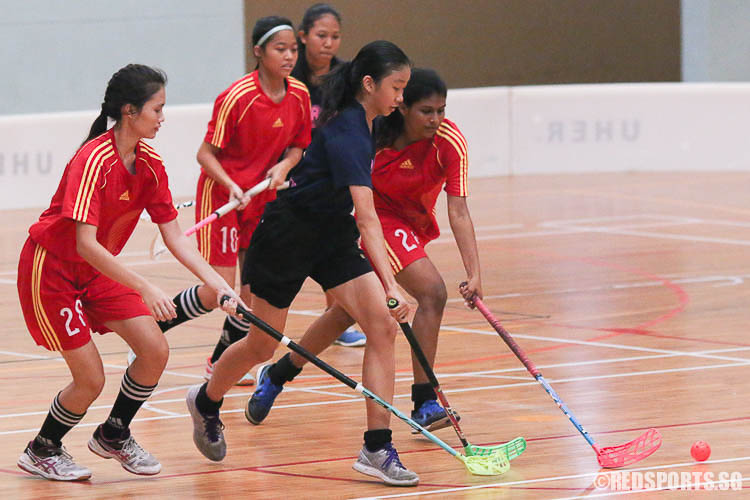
{"x":419,"y":153}
{"x":319,"y":39}
{"x":70,"y":283}
{"x":260,"y":118}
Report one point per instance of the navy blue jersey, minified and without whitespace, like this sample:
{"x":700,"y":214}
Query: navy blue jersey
{"x":340,"y":155}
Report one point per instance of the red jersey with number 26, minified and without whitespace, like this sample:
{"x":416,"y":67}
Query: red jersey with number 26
{"x":97,"y":189}
{"x":406,"y":183}
{"x":252,"y":131}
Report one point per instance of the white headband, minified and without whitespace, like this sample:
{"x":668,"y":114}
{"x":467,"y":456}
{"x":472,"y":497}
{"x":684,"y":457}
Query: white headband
{"x":273,"y":30}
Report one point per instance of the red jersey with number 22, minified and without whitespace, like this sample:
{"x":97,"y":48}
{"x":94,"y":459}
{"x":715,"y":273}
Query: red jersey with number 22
{"x":406,"y":183}
{"x":97,"y":189}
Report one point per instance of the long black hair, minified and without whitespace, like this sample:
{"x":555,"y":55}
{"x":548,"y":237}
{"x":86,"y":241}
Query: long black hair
{"x":301,"y":70}
{"x":423,"y":83}
{"x":266,"y":24}
{"x":341,"y":85}
{"x":134,"y":84}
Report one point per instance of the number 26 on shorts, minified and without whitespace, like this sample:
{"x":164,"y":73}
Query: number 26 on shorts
{"x":67,"y":313}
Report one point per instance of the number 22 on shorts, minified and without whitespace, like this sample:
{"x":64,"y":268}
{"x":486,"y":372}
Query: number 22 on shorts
{"x":400,"y":233}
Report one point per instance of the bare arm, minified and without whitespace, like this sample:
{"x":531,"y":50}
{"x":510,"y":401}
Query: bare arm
{"x":372,"y":234}
{"x":90,"y":250}
{"x":463,"y":232}
{"x":187,"y":254}
{"x":207,"y":159}
{"x":278,"y":172}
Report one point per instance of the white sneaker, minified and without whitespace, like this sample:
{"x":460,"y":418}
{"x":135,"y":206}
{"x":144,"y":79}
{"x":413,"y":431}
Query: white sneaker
{"x":129,"y":453}
{"x":52,"y":463}
{"x":247,"y":379}
{"x":385,"y":464}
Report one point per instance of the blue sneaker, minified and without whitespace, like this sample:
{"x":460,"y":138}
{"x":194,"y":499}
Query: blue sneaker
{"x":260,"y":403}
{"x":351,"y":338}
{"x":431,"y":416}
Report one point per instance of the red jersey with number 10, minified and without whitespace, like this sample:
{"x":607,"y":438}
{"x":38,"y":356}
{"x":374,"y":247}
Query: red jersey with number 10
{"x":97,"y":189}
{"x":406,"y":183}
{"x":252,"y":131}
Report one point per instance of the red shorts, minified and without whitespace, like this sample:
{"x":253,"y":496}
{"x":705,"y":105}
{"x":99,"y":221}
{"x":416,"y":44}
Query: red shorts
{"x":220,"y":241}
{"x":401,"y":243}
{"x":63,"y":302}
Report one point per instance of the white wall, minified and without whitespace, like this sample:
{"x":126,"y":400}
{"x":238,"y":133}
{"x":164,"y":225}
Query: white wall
{"x":58,"y":55}
{"x":715,"y":40}
{"x":510,"y":130}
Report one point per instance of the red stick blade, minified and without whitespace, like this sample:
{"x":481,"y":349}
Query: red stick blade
{"x":613,"y":457}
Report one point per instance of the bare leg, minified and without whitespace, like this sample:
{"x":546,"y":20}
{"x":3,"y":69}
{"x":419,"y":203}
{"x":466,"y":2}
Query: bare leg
{"x":87,"y":370}
{"x":257,"y":347}
{"x":364,"y":299}
{"x":323,"y":332}
{"x":422,"y":281}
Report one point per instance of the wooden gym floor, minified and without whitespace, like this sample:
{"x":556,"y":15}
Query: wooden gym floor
{"x":629,"y":291}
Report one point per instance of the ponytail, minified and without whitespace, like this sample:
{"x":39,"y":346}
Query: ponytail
{"x":134,"y":84}
{"x":342,"y":84}
{"x":337,"y":91}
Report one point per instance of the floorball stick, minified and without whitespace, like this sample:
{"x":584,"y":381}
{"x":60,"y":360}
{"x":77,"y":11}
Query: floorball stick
{"x":610,"y":457}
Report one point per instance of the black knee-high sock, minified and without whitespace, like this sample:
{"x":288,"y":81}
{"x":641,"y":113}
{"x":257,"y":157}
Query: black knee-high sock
{"x":132,"y":395}
{"x":189,"y":307}
{"x":421,"y":393}
{"x":377,"y":439}
{"x":58,"y":422}
{"x":234,"y":329}
{"x":283,"y":370}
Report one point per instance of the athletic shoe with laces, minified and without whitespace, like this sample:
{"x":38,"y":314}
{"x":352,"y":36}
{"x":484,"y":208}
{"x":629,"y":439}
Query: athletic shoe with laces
{"x":351,"y":338}
{"x":385,"y":464}
{"x":260,"y":403}
{"x":247,"y":379}
{"x":52,"y":462}
{"x":431,"y":416}
{"x":207,"y":429}
{"x":126,"y":451}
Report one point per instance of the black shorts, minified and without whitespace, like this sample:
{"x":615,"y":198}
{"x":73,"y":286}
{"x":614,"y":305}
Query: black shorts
{"x":288,"y":246}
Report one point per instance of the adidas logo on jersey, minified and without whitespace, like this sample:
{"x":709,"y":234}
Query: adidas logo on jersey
{"x":125,"y":196}
{"x":278,"y":123}
{"x":407,"y":164}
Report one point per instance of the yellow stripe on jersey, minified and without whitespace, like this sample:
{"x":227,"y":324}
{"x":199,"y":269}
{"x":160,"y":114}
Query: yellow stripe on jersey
{"x":88,"y":181}
{"x":305,"y":112}
{"x":226,"y":107}
{"x":36,"y":299}
{"x":293,"y":82}
{"x":247,"y":108}
{"x":454,"y":137}
{"x":98,"y":169}
{"x":204,"y":233}
{"x":395,"y":262}
{"x":153,"y":154}
{"x":84,"y":187}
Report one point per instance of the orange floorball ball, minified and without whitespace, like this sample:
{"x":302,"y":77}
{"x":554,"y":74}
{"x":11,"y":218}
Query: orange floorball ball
{"x":700,"y":451}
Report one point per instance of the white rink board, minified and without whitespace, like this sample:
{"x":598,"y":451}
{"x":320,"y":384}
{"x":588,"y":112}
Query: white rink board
{"x":630,"y":127}
{"x":509,"y":130}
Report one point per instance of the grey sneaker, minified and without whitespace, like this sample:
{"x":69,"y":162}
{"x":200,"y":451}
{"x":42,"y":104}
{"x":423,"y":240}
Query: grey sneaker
{"x":126,"y":451}
{"x":385,"y":464}
{"x":207,"y":429}
{"x":52,"y":463}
